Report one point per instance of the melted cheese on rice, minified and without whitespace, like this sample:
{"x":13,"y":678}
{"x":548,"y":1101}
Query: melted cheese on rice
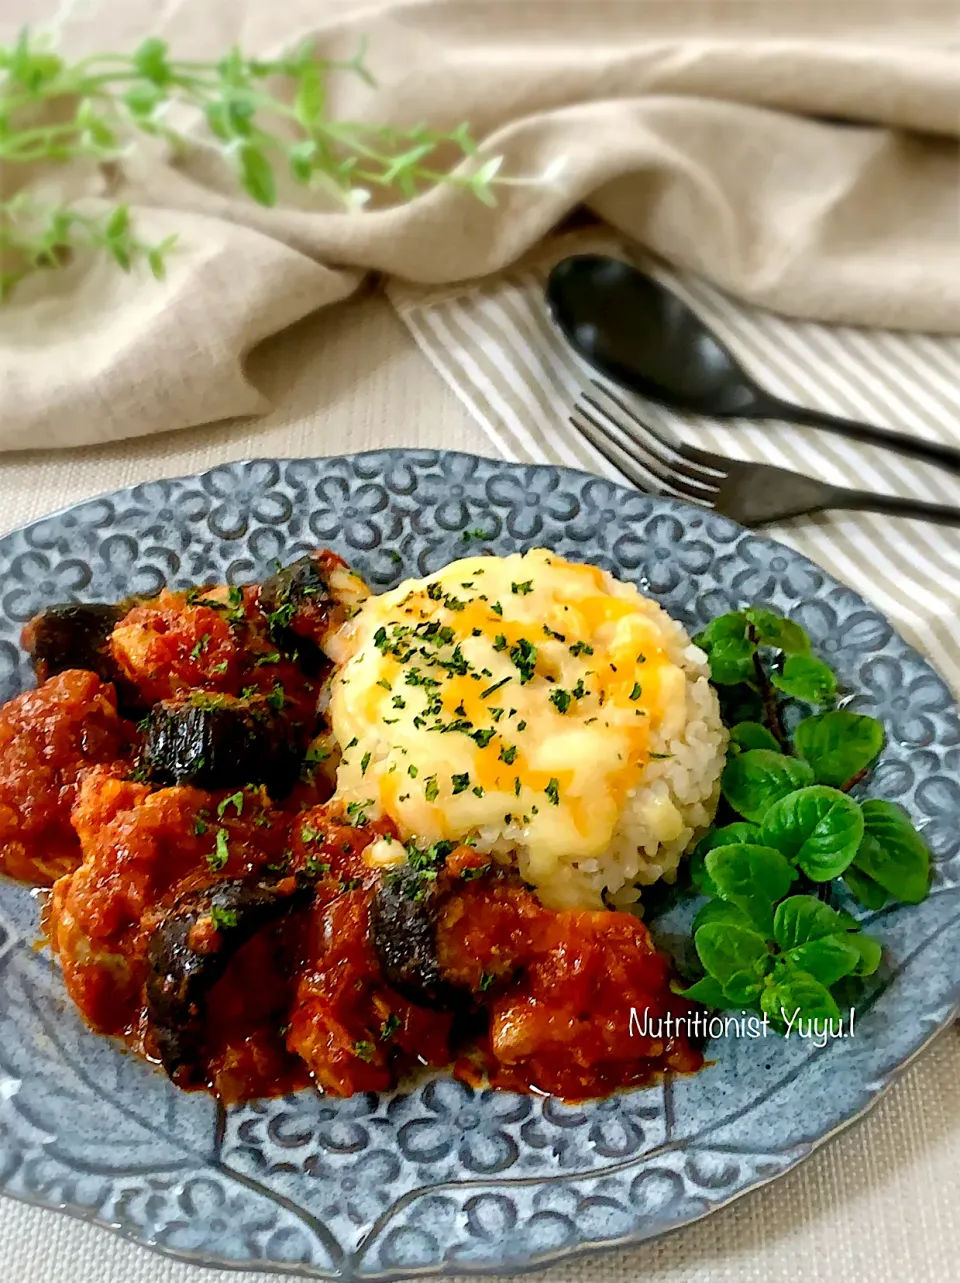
{"x":514,"y":701}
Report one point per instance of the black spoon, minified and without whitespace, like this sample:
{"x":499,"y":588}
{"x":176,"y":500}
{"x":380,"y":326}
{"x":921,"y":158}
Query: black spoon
{"x":632,"y":329}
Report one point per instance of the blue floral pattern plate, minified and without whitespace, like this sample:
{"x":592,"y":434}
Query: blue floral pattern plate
{"x":436,"y":1177}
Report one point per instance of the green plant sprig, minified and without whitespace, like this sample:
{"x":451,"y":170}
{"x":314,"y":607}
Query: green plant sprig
{"x":46,"y":239}
{"x":766,"y":938}
{"x":264,"y":116}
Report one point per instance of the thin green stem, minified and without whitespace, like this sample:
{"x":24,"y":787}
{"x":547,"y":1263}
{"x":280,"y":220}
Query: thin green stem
{"x":117,"y":96}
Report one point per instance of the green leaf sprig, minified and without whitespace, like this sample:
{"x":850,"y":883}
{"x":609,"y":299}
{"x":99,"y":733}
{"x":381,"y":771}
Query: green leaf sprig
{"x":265,"y":116}
{"x":766,"y":938}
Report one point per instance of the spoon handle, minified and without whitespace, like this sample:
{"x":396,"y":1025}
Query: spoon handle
{"x":943,"y":456}
{"x":894,"y":506}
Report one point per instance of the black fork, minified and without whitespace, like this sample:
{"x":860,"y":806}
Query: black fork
{"x":751,"y":493}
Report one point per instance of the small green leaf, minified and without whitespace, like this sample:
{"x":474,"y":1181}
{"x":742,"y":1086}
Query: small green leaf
{"x":748,"y":735}
{"x":726,"y":950}
{"x":838,"y":745}
{"x":828,"y":959}
{"x":119,"y":252}
{"x":870,"y":950}
{"x":743,"y":987}
{"x":256,"y":174}
{"x":802,"y":918}
{"x":302,"y":157}
{"x":732,"y":625}
{"x":726,"y":836}
{"x":156,"y":257}
{"x":818,"y":828}
{"x":310,"y":98}
{"x":96,"y":130}
{"x":142,"y":101}
{"x":755,"y":780}
{"x":893,"y":853}
{"x":487,"y":172}
{"x":863,"y":888}
{"x":804,"y":677}
{"x":118,"y":223}
{"x":731,"y":661}
{"x":232,"y":68}
{"x":798,"y":991}
{"x":718,"y":910}
{"x":754,"y":878}
{"x":709,"y":991}
{"x":217,"y":121}
{"x":150,"y":60}
{"x":775,"y":630}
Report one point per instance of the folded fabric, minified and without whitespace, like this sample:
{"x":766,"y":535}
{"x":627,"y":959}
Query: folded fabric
{"x":803,"y":157}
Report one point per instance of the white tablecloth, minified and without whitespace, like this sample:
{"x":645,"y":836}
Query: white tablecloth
{"x":876,"y":1205}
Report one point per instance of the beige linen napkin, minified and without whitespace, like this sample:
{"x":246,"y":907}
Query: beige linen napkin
{"x":800,"y":155}
{"x":495,"y":346}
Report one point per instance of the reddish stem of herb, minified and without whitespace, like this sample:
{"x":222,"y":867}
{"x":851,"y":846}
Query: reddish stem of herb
{"x":855,"y":780}
{"x":771,"y":706}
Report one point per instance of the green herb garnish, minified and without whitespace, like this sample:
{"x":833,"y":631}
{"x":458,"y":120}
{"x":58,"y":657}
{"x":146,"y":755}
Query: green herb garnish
{"x":560,"y":698}
{"x":235,"y":800}
{"x":357,"y":811}
{"x":768,"y":939}
{"x":390,"y":1026}
{"x":217,"y":858}
{"x":524,"y":656}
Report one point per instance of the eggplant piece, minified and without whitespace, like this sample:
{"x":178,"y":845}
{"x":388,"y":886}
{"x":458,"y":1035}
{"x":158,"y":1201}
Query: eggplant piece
{"x":306,"y":602}
{"x":73,"y":635}
{"x":190,"y":951}
{"x":403,"y":931}
{"x":218,"y":741}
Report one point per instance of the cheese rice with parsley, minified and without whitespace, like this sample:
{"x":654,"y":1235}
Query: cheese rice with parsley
{"x":537,"y":708}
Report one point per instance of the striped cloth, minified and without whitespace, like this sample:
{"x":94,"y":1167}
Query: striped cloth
{"x":493,"y":343}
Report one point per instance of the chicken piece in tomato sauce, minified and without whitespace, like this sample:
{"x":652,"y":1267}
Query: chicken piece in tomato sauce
{"x":142,"y":851}
{"x":566,"y":1026}
{"x":557,"y":987}
{"x":50,"y":738}
{"x":352,"y":1029}
{"x":172,"y":644}
{"x":228,"y":706}
{"x":216,"y":641}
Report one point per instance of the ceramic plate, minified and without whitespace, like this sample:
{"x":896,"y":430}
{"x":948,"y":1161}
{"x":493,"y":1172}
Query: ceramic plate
{"x":438,"y":1177}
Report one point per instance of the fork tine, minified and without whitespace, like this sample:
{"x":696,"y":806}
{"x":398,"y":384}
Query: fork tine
{"x":703,"y":460}
{"x":642,"y":478}
{"x":629,"y":461}
{"x":677,"y":473}
{"x":611,"y":431}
